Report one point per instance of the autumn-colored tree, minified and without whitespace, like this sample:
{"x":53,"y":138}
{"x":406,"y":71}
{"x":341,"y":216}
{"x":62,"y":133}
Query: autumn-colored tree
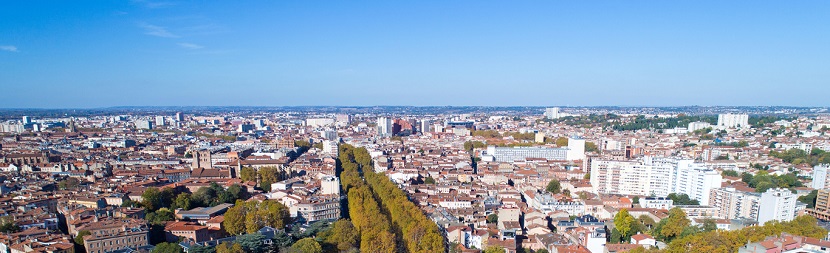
{"x":307,"y":245}
{"x":248,"y":174}
{"x":342,"y":235}
{"x":673,"y":225}
{"x":494,"y":249}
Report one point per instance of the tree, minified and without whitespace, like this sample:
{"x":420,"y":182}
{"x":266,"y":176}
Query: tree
{"x":229,"y":247}
{"x":160,"y":217}
{"x":809,"y":199}
{"x":282,"y":240}
{"x":201,"y":249}
{"x":342,"y":234}
{"x":730,"y":173}
{"x":623,"y":222}
{"x":268,"y":176}
{"x":247,"y":174}
{"x":635,"y":200}
{"x":234,"y":222}
{"x":79,"y":239}
{"x":153,"y":198}
{"x":69,"y":183}
{"x":494,"y":249}
{"x":7,"y":225}
{"x":709,"y":225}
{"x":591,"y":147}
{"x":182,"y":201}
{"x":251,"y":242}
{"x":167,"y":247}
{"x":492,"y":218}
{"x":429,"y":180}
{"x":541,"y":251}
{"x":553,"y":186}
{"x":307,"y":245}
{"x":673,"y":225}
{"x":746,"y":177}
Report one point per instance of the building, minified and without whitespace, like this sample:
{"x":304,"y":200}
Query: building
{"x":244,"y":128}
{"x":552,"y":113}
{"x":179,"y":117}
{"x":160,"y":121}
{"x":129,"y":236}
{"x":657,"y":202}
{"x":202,"y":214}
{"x":27,"y":120}
{"x":329,"y":135}
{"x":820,"y":177}
{"x":331,"y":148}
{"x":777,"y":204}
{"x":654,"y":177}
{"x":733,"y":120}
{"x":330,"y":185}
{"x":698,"y":125}
{"x":202,"y":159}
{"x":426,"y":126}
{"x":384,"y":126}
{"x":319,"y":122}
{"x":144,"y":124}
{"x":317,"y":208}
{"x":733,"y":204}
{"x":574,"y":151}
{"x":822,"y":208}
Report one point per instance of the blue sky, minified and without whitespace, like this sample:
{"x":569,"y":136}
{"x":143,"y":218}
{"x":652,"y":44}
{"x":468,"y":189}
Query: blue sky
{"x":79,"y":54}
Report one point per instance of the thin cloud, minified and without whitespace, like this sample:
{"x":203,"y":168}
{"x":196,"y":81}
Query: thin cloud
{"x":156,"y":30}
{"x":9,"y":48}
{"x":190,"y":46}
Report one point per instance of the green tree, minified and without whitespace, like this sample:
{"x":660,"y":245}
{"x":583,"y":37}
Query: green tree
{"x":248,"y":174}
{"x":7,"y":225}
{"x":624,"y":222}
{"x":492,"y":218}
{"x":251,"y":242}
{"x":562,"y":142}
{"x":307,"y":245}
{"x":809,"y":199}
{"x":229,"y":247}
{"x":182,"y":201}
{"x":730,"y":173}
{"x":554,"y":187}
{"x":591,"y":147}
{"x":429,"y":180}
{"x":79,"y":239}
{"x":167,"y":247}
{"x":160,"y":217}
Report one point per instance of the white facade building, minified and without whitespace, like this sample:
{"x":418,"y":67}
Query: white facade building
{"x":384,"y":126}
{"x":658,"y":202}
{"x":697,"y":125}
{"x":654,"y":177}
{"x":331,"y":148}
{"x":777,"y":204}
{"x":552,"y":113}
{"x":734,"y":204}
{"x":733,"y":120}
{"x":820,"y":177}
{"x":319,"y":122}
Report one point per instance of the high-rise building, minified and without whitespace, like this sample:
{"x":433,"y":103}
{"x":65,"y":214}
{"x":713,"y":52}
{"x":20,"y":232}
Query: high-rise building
{"x":330,"y":185}
{"x":160,"y":121}
{"x":27,"y":120}
{"x":179,"y":117}
{"x":426,"y":126}
{"x":822,"y":207}
{"x":329,"y":134}
{"x":777,"y":204}
{"x":552,"y":113}
{"x":144,"y":124}
{"x":331,"y":148}
{"x":733,"y":120}
{"x":820,"y":178}
{"x":318,"y":122}
{"x":697,"y":125}
{"x":384,"y":126}
{"x":654,"y":176}
{"x":735,"y":204}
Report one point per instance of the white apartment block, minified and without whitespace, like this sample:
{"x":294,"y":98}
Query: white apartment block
{"x":733,"y":120}
{"x":574,"y":151}
{"x":384,"y":126}
{"x":319,"y":122}
{"x":697,"y":125}
{"x":552,"y":113}
{"x":657,"y":202}
{"x":654,"y":177}
{"x":777,"y":204}
{"x":734,"y":204}
{"x":820,"y":177}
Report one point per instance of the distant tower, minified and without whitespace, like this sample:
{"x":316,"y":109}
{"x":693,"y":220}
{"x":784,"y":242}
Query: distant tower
{"x":179,"y":117}
{"x":552,"y":113}
{"x":384,"y":126}
{"x":27,"y":120}
{"x":201,"y":159}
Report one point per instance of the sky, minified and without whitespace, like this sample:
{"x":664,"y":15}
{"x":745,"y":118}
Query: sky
{"x":91,"y":54}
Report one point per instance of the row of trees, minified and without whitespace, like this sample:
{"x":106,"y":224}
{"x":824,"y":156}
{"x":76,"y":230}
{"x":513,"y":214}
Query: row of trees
{"x":374,"y":227}
{"x":383,"y":215}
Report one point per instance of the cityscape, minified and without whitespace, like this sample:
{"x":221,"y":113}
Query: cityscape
{"x":177,"y":126}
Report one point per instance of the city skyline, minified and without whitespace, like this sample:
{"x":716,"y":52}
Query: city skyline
{"x":148,"y":53}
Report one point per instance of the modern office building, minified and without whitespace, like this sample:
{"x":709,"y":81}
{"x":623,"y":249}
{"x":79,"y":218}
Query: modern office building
{"x":179,"y":117}
{"x":160,"y":121}
{"x":777,"y":204}
{"x":733,"y":120}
